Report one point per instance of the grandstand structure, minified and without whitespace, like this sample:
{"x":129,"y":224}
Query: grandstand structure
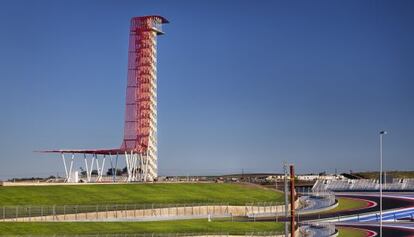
{"x":362,"y":185}
{"x":139,"y":146}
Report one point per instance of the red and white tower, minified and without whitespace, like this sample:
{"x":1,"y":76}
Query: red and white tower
{"x":140,"y":130}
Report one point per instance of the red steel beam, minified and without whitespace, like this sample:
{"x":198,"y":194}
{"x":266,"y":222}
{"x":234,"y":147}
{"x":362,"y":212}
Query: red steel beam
{"x":292,"y":201}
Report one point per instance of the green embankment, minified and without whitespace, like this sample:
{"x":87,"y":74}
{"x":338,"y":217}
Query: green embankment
{"x":236,"y":194}
{"x":187,"y":226}
{"x":350,"y":232}
{"x":345,"y":204}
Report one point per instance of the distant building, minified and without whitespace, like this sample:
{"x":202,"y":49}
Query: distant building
{"x":314,"y":177}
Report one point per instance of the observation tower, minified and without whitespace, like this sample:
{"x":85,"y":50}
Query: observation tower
{"x":139,"y":146}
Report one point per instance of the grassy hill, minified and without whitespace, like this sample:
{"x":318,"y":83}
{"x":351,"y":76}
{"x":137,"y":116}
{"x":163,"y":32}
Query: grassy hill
{"x":186,"y":226}
{"x":346,"y":232}
{"x":236,"y":194}
{"x":394,"y":174}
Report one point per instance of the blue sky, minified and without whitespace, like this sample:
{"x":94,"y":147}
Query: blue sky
{"x":242,"y":84}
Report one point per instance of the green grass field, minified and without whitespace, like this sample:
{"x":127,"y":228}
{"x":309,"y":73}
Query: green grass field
{"x":350,"y":232}
{"x":235,"y":194}
{"x":187,"y":226}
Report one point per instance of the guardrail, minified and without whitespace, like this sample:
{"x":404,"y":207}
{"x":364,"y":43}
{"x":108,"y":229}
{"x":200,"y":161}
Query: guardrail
{"x":318,"y":230}
{"x":317,"y":201}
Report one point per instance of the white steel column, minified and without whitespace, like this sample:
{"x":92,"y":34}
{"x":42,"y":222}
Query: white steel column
{"x":100,"y":169}
{"x":140,"y":167}
{"x":127,"y":166}
{"x":116,"y":166}
{"x":97,"y":167}
{"x":66,"y":169}
{"x":70,"y":169}
{"x":88,"y":177}
{"x":132,"y":165}
{"x":146,"y":167}
{"x":113,"y":168}
{"x":68,"y":172}
{"x":90,"y":169}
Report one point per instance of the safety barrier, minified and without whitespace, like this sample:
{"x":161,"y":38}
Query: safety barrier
{"x":131,"y":211}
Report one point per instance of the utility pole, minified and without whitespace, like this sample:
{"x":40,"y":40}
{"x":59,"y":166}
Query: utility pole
{"x":292,"y":201}
{"x":285,"y":170}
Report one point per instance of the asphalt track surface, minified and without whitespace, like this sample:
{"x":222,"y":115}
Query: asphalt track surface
{"x":390,"y":201}
{"x":396,"y":230}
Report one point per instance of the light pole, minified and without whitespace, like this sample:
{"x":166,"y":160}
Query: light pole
{"x":382,"y":133}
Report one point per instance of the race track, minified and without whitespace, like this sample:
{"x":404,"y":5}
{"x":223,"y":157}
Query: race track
{"x":395,"y":206}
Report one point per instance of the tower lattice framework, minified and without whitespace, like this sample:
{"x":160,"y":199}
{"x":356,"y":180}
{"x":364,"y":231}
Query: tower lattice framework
{"x":140,"y":129}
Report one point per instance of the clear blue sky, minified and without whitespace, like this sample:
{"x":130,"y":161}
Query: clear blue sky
{"x":242,"y":84}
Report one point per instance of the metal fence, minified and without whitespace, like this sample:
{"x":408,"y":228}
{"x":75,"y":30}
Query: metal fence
{"x":318,"y":230}
{"x":129,"y":211}
{"x":316,"y":201}
{"x":363,"y":185}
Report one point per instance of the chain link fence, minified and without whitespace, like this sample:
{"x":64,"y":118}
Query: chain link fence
{"x":130,"y":211}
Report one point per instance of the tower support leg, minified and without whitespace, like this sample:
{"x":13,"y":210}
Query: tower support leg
{"x":66,"y":169}
{"x":68,"y":172}
{"x":113,"y":166}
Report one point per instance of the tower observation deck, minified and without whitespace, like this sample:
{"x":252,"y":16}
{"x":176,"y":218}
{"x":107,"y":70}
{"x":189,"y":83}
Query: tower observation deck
{"x":139,"y":145}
